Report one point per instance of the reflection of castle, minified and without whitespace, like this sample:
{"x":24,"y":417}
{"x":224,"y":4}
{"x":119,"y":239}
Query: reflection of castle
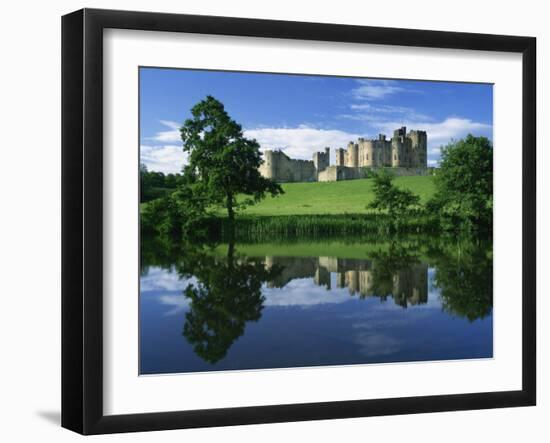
{"x":405,"y":152}
{"x":408,"y":286}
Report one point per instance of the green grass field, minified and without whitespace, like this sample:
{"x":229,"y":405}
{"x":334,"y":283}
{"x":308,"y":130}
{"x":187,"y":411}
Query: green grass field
{"x":344,"y":197}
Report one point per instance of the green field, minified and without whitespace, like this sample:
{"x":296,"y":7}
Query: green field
{"x":351,"y":196}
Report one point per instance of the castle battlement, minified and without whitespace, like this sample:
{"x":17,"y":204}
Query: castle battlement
{"x":404,"y":150}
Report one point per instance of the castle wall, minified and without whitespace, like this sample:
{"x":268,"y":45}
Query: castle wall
{"x":337,"y":173}
{"x":279,"y":167}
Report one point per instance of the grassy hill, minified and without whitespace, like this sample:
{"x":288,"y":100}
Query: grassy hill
{"x":351,"y":196}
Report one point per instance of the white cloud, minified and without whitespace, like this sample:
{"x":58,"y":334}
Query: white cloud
{"x":167,"y":158}
{"x":382,"y":113}
{"x":170,"y":136}
{"x":302,"y":141}
{"x":375,"y":92}
{"x":375,"y":89}
{"x":380,"y":108}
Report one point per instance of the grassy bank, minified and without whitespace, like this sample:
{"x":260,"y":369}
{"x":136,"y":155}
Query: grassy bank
{"x":322,"y":210}
{"x":344,"y":197}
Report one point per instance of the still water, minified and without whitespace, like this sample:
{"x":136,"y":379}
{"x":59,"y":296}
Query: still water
{"x":253,"y":306}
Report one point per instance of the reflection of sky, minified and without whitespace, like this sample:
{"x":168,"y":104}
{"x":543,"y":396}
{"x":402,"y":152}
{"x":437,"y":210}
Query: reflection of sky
{"x":166,"y":286}
{"x":305,"y":324}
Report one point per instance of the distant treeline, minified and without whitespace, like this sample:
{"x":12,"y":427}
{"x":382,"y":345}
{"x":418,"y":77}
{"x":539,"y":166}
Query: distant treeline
{"x":155,"y":185}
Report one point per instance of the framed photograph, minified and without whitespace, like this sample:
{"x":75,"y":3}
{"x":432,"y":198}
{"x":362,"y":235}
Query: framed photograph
{"x":268,"y":221}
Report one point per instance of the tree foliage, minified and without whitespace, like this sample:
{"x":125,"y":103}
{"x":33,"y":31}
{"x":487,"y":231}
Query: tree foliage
{"x":181,"y":213}
{"x":388,"y":197}
{"x":464,"y":185}
{"x":222,"y":162}
{"x":155,"y":184}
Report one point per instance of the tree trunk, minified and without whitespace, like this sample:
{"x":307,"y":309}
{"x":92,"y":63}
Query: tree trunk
{"x":230,"y":210}
{"x":230,"y":219}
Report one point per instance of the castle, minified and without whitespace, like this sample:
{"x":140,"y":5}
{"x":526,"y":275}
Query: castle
{"x":405,"y":153}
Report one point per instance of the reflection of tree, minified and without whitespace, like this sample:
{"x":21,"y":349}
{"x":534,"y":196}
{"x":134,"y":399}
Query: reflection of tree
{"x":225,"y":291}
{"x":226,"y":295}
{"x":397,"y":262}
{"x":465,"y":277}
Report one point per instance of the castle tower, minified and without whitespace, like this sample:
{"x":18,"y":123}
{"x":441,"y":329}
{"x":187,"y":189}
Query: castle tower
{"x":398,"y":147}
{"x":367,"y":159}
{"x":419,"y":149}
{"x":340,"y":157}
{"x":382,"y":152}
{"x":268,"y":167}
{"x":326,"y":158}
{"x":321,"y":160}
{"x":352,"y":155}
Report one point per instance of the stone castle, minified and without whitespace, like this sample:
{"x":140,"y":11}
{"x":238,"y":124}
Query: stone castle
{"x":405,"y":152}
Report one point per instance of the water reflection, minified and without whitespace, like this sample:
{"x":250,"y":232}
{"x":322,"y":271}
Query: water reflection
{"x":226,"y":290}
{"x":383,"y":277}
{"x":226,"y":294}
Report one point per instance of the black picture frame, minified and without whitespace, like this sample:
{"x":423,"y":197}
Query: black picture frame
{"x":82,"y":218}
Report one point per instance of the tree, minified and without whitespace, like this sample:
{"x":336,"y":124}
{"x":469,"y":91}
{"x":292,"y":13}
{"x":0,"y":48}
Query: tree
{"x":222,"y":162}
{"x":388,"y":197}
{"x":464,"y":185}
{"x":180,"y":213}
{"x":154,"y":185}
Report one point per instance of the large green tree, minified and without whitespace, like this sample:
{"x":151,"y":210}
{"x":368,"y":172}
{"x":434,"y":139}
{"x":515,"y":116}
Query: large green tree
{"x":222,"y":162}
{"x":464,"y":185}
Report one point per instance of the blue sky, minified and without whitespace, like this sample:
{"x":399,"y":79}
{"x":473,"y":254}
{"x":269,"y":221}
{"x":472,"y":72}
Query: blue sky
{"x":303,"y":114}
